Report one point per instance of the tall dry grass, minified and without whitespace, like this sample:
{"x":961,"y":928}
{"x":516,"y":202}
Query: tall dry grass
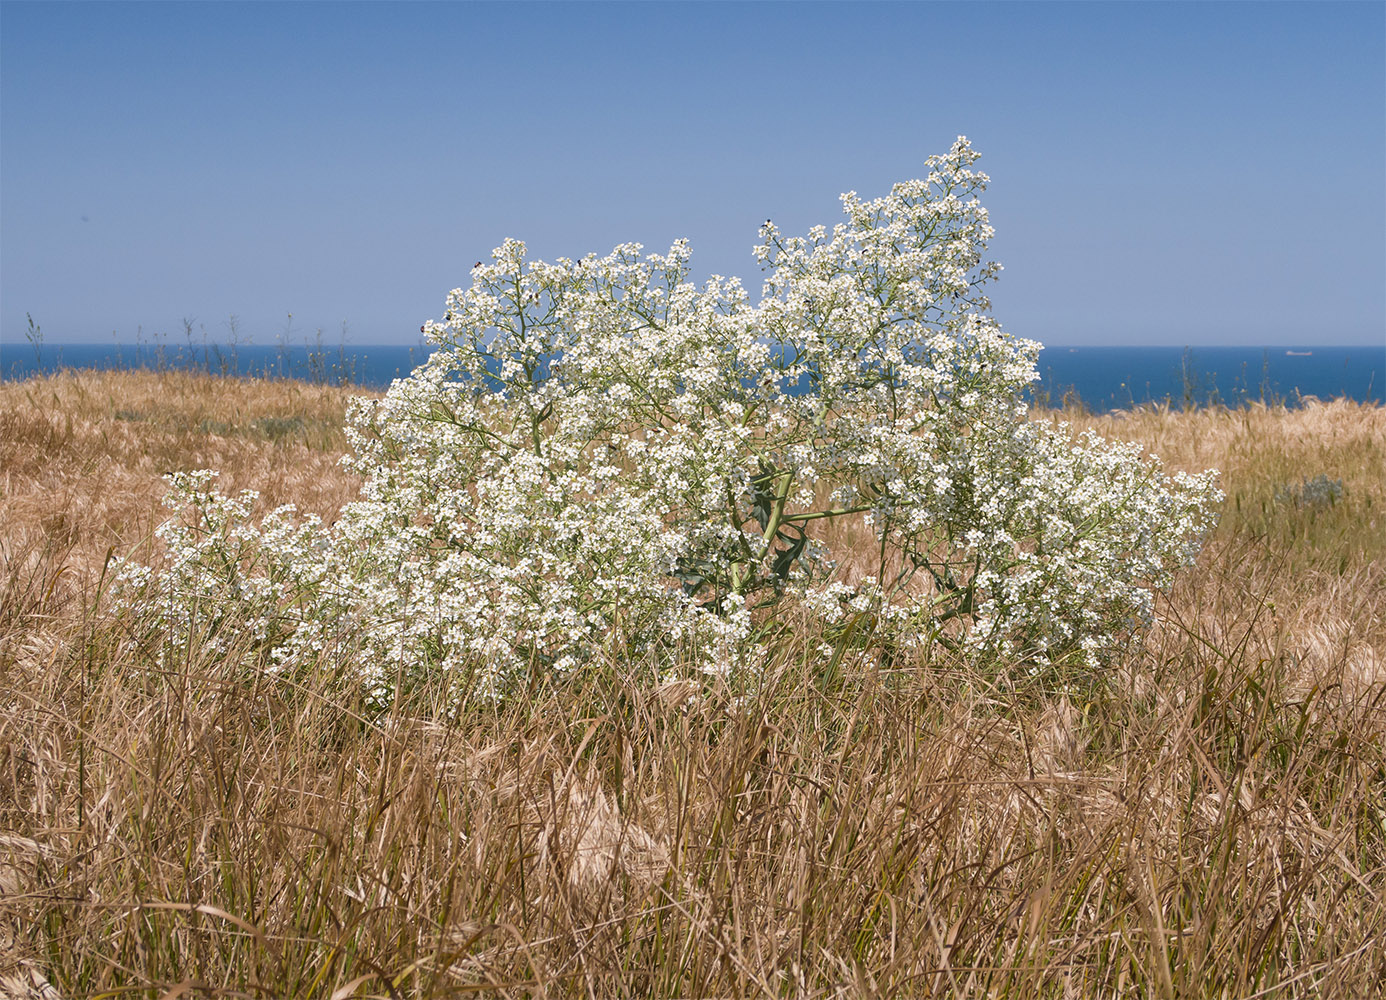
{"x":1208,"y":819}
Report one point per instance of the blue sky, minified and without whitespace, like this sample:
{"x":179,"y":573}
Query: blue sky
{"x":1161,"y":173}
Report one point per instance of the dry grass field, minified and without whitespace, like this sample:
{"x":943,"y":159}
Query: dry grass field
{"x":1206,"y":819}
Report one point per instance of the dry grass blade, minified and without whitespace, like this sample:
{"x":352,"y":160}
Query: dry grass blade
{"x":211,"y":911}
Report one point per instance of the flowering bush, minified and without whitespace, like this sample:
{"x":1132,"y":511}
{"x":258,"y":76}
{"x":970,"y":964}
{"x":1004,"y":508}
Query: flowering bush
{"x":602,"y":457}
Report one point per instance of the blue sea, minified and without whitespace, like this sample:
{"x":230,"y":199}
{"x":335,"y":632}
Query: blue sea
{"x":1102,"y":378}
{"x":1117,"y":378}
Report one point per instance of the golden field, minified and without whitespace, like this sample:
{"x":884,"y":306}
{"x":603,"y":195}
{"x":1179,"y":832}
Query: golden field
{"x":1206,"y":819}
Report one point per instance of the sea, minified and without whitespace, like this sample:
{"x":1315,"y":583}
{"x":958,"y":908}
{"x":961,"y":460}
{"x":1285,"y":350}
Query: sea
{"x":1099,"y":378}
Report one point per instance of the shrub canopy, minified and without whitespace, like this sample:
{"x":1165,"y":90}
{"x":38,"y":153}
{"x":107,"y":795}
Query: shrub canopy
{"x":602,"y":456}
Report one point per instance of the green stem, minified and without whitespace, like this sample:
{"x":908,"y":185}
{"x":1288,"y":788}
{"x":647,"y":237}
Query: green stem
{"x":741,"y":575}
{"x":788,"y":518}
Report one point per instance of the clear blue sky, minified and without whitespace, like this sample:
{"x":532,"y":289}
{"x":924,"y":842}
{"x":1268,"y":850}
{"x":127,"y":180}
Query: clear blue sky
{"x":1163,"y":173}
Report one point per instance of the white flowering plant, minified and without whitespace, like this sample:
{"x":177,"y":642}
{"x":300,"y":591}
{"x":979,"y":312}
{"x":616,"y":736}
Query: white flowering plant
{"x":602,"y":458}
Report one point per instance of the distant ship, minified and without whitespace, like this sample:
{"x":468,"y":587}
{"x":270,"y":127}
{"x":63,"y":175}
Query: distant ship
{"x":1299,"y":354}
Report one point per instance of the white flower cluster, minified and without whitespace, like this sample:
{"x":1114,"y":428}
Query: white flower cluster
{"x":602,"y":458}
{"x":226,"y":570}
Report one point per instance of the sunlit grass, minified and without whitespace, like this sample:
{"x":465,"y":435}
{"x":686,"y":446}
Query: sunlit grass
{"x":1206,"y":819}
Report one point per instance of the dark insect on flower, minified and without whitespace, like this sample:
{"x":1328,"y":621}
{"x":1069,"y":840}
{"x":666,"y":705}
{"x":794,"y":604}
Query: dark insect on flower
{"x":476,"y":265}
{"x":422,"y":330}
